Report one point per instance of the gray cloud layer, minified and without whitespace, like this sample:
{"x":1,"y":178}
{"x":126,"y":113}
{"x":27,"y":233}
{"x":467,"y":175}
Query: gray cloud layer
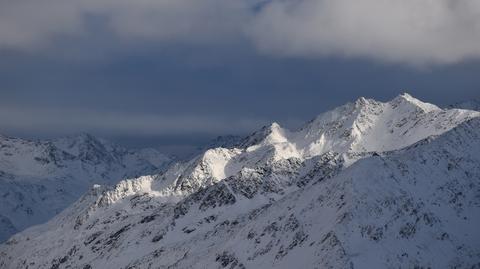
{"x":409,"y":31}
{"x":32,"y":23}
{"x":412,"y":31}
{"x":48,"y":121}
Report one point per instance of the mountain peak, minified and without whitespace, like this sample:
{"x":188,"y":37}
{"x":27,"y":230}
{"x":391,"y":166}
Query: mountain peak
{"x":79,"y":138}
{"x":407,"y":96}
{"x":406,"y":99}
{"x":84,"y":137}
{"x":260,"y":135}
{"x":277,"y":134}
{"x":275,"y":126}
{"x":361,"y":101}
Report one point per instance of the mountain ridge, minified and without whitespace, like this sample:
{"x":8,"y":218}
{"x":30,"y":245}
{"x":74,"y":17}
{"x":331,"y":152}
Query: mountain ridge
{"x":327,"y":195}
{"x":42,"y":177}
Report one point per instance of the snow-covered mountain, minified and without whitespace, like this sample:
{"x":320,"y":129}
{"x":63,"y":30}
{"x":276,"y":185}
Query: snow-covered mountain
{"x":366,"y":185}
{"x":39,"y":179}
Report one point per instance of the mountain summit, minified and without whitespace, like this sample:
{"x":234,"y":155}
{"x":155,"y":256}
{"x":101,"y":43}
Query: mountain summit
{"x":367,"y":185}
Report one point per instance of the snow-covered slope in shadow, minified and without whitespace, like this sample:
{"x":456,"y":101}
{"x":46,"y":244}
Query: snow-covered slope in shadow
{"x":41,"y":178}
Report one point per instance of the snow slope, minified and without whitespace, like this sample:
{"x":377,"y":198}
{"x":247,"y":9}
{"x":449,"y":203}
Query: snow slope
{"x":41,"y":178}
{"x":352,"y":130}
{"x":367,"y":185}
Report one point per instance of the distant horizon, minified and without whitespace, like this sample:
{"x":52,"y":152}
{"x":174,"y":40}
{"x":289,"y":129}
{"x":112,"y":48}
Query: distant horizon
{"x":182,"y":145}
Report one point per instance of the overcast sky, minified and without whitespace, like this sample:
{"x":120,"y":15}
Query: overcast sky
{"x":175,"y":73}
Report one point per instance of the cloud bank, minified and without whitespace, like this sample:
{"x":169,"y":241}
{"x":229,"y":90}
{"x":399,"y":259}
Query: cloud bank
{"x":414,"y":32}
{"x":48,"y":121}
{"x":411,"y":31}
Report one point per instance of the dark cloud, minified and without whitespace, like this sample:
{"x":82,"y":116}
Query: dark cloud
{"x":409,"y":31}
{"x":131,"y":72}
{"x":67,"y":120}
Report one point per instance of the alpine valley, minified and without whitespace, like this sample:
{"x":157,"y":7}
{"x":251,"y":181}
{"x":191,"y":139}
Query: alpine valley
{"x":367,"y":185}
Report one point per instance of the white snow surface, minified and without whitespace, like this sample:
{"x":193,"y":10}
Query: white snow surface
{"x":352,"y":129}
{"x":366,"y":185}
{"x":39,"y":179}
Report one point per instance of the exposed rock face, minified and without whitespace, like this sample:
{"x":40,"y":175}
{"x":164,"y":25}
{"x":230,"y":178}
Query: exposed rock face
{"x":367,"y":185}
